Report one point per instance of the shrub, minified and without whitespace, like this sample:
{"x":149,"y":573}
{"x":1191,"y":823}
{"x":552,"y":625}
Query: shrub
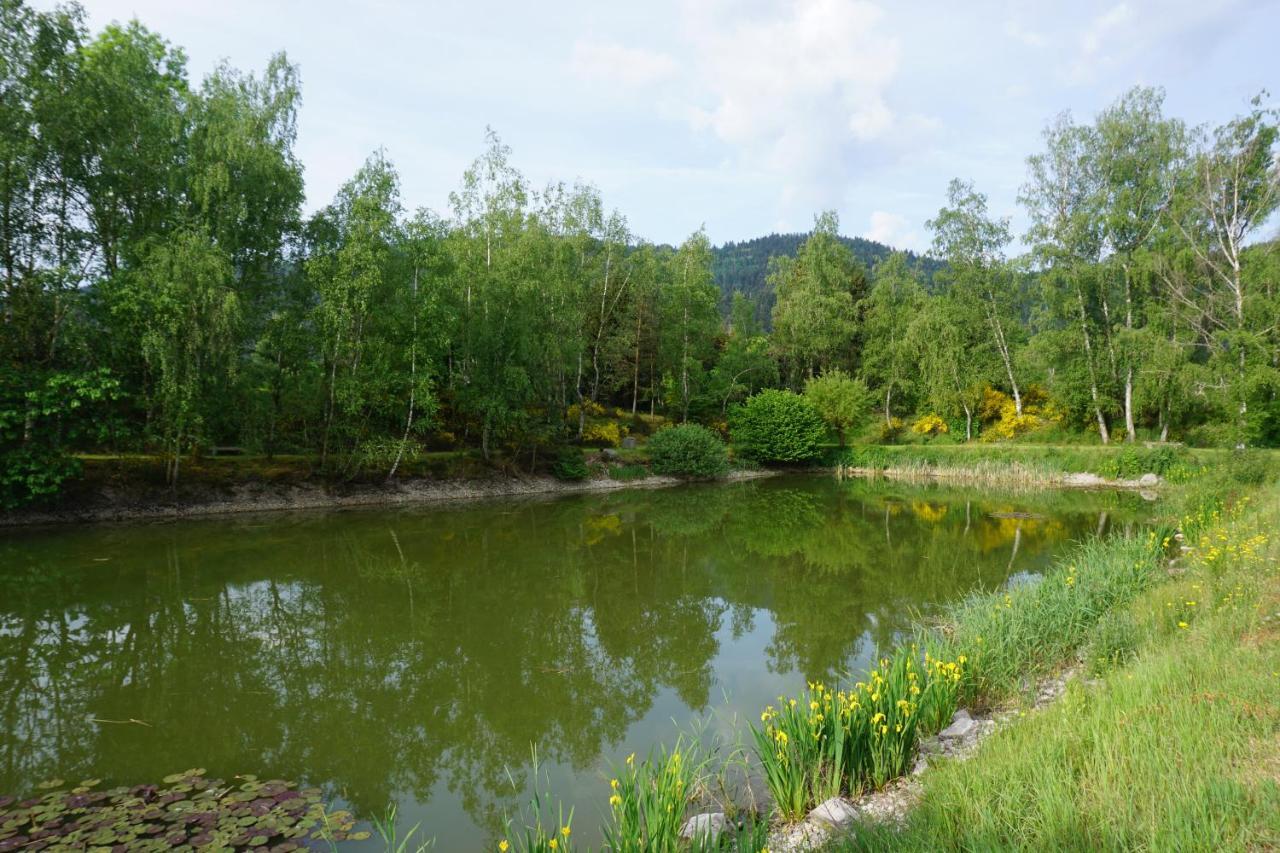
{"x":688,"y":450}
{"x":625,"y":473}
{"x":602,"y":434}
{"x":930,"y":425}
{"x":592,"y":408}
{"x":1131,"y":462}
{"x":647,"y":424}
{"x":891,"y":429}
{"x":569,"y":465}
{"x":777,"y":426}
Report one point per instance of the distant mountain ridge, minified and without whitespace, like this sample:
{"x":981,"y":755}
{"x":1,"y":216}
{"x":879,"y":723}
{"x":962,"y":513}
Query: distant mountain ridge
{"x":743,"y":267}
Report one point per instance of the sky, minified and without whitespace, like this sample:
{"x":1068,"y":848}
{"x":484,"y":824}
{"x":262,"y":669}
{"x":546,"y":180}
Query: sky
{"x":740,"y":116}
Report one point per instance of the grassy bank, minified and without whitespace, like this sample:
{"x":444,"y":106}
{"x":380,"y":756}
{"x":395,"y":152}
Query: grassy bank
{"x":1048,"y":462}
{"x":1176,"y":747}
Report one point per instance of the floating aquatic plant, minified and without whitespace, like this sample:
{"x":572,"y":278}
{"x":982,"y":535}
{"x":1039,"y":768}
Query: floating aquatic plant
{"x":187,"y":810}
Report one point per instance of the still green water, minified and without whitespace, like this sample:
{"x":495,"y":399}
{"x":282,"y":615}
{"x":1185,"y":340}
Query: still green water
{"x":416,"y":655}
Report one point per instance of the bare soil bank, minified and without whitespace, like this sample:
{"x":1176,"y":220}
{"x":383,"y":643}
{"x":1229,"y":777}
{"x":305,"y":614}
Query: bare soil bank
{"x":129,"y":502}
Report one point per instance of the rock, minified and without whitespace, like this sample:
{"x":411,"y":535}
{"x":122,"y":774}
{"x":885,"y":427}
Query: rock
{"x":706,"y":826}
{"x":1083,"y":480}
{"x":834,"y":812}
{"x":1149,"y":481}
{"x":629,"y":443}
{"x":1148,"y":495}
{"x":610,"y":454}
{"x":961,"y":725}
{"x":805,"y":836}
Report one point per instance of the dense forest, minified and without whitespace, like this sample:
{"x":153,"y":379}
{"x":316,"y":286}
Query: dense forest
{"x":163,"y":291}
{"x":744,"y":267}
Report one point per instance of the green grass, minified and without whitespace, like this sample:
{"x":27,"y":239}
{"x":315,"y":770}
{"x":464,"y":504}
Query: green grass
{"x":1178,"y":464}
{"x":1013,"y":637}
{"x":1178,"y":746}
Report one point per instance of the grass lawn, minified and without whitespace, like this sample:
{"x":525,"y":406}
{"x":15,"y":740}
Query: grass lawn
{"x":1175,"y":747}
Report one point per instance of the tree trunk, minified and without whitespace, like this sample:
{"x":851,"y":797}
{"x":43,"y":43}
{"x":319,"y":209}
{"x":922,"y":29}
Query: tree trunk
{"x":1131,"y":431}
{"x":413,"y":381}
{"x":1103,"y":432}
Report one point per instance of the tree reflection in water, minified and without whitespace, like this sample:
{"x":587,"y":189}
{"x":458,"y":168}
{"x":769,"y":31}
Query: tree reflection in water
{"x":416,"y":655}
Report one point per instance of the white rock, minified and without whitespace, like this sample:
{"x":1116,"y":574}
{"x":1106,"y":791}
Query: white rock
{"x":834,"y":812}
{"x":1148,"y":481}
{"x":961,"y":725}
{"x":707,"y":826}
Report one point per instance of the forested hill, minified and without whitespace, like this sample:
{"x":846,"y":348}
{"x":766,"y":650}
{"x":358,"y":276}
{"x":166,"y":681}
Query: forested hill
{"x":743,"y":267}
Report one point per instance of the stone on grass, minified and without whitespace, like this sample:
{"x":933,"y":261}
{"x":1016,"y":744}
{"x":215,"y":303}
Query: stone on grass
{"x":834,"y":812}
{"x":1148,"y":481}
{"x":705,"y":826}
{"x":961,"y":725}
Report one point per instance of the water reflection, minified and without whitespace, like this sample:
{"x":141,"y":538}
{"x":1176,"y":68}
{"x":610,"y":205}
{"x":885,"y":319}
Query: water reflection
{"x":417,"y":655}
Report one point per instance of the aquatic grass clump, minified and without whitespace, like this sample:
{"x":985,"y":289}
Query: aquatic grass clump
{"x":648,"y":799}
{"x":1016,"y":635}
{"x":828,"y":742}
{"x":187,"y":810}
{"x":535,"y":831}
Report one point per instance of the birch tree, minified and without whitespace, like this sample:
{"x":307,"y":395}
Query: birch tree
{"x":973,"y":244}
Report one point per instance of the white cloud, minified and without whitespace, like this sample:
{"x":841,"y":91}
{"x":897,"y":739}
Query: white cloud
{"x":892,"y":229}
{"x":796,"y":88}
{"x":629,"y":66}
{"x":1030,"y":38}
{"x":1103,"y":26}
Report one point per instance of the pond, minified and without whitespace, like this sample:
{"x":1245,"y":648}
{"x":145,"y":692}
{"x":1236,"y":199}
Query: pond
{"x":417,"y":655}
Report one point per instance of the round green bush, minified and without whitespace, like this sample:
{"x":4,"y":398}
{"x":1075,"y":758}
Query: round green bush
{"x":569,"y":465}
{"x":688,"y":450}
{"x":777,"y":426}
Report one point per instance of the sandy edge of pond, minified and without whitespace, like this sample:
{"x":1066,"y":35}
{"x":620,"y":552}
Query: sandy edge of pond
{"x":114,"y":504}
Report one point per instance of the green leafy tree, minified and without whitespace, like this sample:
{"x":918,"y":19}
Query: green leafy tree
{"x":842,"y":400}
{"x":815,"y":319}
{"x":973,"y":244}
{"x":689,"y":323}
{"x":889,"y":357}
{"x":189,"y":314}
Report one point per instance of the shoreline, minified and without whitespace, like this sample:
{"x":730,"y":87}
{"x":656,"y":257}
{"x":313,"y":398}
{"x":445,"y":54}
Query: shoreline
{"x":245,"y":498}
{"x":1004,"y":475}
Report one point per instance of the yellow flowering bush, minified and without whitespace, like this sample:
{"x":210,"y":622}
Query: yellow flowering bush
{"x":889,"y":430}
{"x":930,"y":425}
{"x":603,"y":433}
{"x":1000,"y":412}
{"x":592,"y":409}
